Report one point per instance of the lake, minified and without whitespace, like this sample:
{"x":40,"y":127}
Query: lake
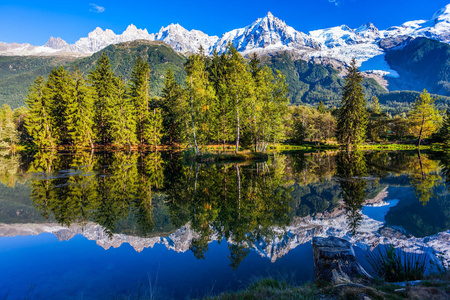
{"x":127,"y":225}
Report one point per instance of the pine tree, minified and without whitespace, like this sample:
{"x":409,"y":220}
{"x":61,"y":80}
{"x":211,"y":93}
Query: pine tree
{"x":58,"y":94}
{"x":444,"y":132}
{"x":139,"y":93}
{"x":38,"y":121}
{"x":424,"y":117}
{"x":122,"y":129}
{"x":352,"y":115}
{"x":80,"y":112}
{"x":153,"y":127}
{"x":103,"y":81}
{"x":375,"y":105}
{"x":171,"y":107}
{"x":321,"y":107}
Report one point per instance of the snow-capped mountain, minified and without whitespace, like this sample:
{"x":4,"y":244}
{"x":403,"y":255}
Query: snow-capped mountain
{"x":182,"y":40}
{"x":268,"y":32}
{"x":438,"y":27}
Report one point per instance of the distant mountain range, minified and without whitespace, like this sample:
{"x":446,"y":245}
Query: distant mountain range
{"x":266,"y":34}
{"x":413,"y":56}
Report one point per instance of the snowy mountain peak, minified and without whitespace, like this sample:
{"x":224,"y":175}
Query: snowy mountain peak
{"x":442,"y":14}
{"x":56,"y":43}
{"x":265,"y":34}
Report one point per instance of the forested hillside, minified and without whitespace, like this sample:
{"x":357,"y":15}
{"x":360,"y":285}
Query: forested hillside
{"x":311,"y":83}
{"x":421,"y":64}
{"x":17,"y":73}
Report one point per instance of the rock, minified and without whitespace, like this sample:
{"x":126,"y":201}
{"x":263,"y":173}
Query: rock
{"x":335,"y":262}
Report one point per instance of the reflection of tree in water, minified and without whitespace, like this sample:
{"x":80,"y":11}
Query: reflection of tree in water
{"x":115,"y":190}
{"x":240,"y":203}
{"x":350,"y":172}
{"x":424,"y":174}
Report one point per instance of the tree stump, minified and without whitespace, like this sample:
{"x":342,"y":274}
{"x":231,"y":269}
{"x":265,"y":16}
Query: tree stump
{"x":335,"y":262}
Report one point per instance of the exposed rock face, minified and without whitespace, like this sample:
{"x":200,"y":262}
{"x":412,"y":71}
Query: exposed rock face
{"x":335,"y":262}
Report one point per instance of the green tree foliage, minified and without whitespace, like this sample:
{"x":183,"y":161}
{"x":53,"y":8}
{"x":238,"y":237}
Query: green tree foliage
{"x":309,"y":123}
{"x":444,"y":131}
{"x":139,"y":94}
{"x":103,"y":81}
{"x":352,"y":116}
{"x":172,"y":108}
{"x":200,"y":97}
{"x":9,"y":134}
{"x":39,"y":121}
{"x":239,"y":88}
{"x":80,"y":112}
{"x":122,"y":129}
{"x":424,"y":117}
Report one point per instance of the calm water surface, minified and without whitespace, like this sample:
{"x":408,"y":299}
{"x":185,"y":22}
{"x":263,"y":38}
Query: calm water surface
{"x":129,"y":225}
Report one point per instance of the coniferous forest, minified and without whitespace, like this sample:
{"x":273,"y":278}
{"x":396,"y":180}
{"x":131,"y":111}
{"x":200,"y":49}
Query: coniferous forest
{"x":225,"y":100}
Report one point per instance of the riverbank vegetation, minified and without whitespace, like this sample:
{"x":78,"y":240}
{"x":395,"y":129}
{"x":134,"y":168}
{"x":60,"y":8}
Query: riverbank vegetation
{"x":225,"y":100}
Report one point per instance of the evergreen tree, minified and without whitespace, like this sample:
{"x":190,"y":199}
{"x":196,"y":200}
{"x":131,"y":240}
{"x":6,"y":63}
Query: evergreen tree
{"x":103,"y":81}
{"x":153,"y":127}
{"x":38,"y":121}
{"x":139,"y":93}
{"x":424,"y":117}
{"x":444,"y":131}
{"x":222,"y":111}
{"x":321,"y":107}
{"x":171,"y":107}
{"x":80,"y":112}
{"x":122,"y":129}
{"x":58,"y":93}
{"x":375,"y":105}
{"x":352,"y":115}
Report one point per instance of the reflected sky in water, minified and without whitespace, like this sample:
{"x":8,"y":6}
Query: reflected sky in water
{"x":129,"y":224}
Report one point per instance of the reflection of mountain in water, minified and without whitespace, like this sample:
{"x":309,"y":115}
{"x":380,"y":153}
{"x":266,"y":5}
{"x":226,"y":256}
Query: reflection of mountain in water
{"x":301,"y":231}
{"x":146,"y":198}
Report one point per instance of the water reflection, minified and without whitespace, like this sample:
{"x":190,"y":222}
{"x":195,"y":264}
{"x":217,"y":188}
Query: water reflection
{"x":154,"y":194}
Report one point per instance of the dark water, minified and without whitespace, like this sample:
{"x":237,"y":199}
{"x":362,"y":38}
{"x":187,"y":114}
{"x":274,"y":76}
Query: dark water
{"x":152,"y":225}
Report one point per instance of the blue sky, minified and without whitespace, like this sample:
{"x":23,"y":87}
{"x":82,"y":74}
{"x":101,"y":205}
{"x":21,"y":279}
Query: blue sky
{"x":35,"y":21}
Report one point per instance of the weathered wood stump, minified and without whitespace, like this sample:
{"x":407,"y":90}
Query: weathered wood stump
{"x":335,"y":262}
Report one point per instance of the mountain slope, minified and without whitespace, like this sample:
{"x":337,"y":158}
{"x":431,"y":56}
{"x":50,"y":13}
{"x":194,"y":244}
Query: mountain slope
{"x":421,"y":63}
{"x":159,"y":55}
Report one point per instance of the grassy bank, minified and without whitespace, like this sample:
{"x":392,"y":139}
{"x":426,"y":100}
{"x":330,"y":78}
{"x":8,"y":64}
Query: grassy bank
{"x":434,"y":287}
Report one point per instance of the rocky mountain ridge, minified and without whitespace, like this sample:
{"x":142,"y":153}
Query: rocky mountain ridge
{"x":266,"y":35}
{"x":370,"y":234}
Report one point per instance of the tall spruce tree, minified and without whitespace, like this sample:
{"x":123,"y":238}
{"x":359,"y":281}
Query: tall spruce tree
{"x":38,"y":120}
{"x":122,"y":129}
{"x":58,"y":94}
{"x":352,"y":115}
{"x":103,"y":80}
{"x":221,"y":108}
{"x":80,"y":112}
{"x":171,"y":108}
{"x":139,"y":92}
{"x":444,"y":131}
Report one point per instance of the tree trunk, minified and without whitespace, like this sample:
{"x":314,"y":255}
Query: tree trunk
{"x":237,"y":125}
{"x":193,"y":125}
{"x":421,"y":131}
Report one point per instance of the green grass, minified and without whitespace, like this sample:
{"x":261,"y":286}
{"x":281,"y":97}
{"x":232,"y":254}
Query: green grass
{"x":270,"y":288}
